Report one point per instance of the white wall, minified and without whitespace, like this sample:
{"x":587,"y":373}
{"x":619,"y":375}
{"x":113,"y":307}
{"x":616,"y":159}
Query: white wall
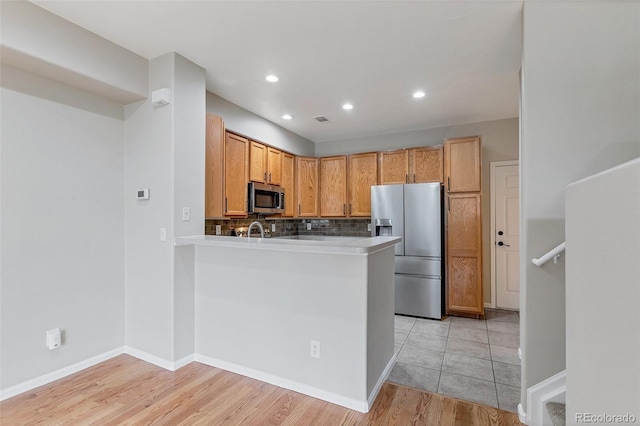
{"x":188,"y":191}
{"x":258,"y":310}
{"x":603,"y":293}
{"x":62,"y":255}
{"x":499,"y":142}
{"x":579,"y":115}
{"x":164,"y":151}
{"x":45,"y":44}
{"x":149,"y":261}
{"x":241,"y":121}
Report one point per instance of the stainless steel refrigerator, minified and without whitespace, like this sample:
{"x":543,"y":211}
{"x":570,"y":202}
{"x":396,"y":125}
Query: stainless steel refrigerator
{"x":413,"y":212}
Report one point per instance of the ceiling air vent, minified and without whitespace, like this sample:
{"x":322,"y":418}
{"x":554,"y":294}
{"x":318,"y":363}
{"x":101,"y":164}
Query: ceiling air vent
{"x":321,"y":119}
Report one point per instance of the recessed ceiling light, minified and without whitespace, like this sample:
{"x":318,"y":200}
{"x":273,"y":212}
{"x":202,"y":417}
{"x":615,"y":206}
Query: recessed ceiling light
{"x":287,"y":116}
{"x":418,"y":94}
{"x":272,"y":78}
{"x":347,"y":106}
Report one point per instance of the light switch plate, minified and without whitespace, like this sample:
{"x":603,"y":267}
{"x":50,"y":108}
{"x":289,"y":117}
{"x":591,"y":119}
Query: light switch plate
{"x":369,"y":227}
{"x":273,"y":227}
{"x":308,"y":227}
{"x":218,"y":230}
{"x":163,"y":234}
{"x":186,"y":214}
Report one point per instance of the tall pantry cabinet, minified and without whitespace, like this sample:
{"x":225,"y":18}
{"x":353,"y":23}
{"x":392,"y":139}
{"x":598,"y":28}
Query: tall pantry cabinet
{"x":464,"y":226}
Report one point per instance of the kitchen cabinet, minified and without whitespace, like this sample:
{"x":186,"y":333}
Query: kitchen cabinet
{"x":307,"y":186}
{"x":464,"y":226}
{"x":462,"y":164}
{"x":414,"y":165}
{"x":464,"y":255}
{"x":288,"y":183}
{"x":333,"y":186}
{"x":362,"y":175}
{"x":265,"y":164}
{"x":214,"y":167}
{"x":393,"y":167}
{"x":274,"y":166}
{"x":236,"y":174}
{"x":426,"y":164}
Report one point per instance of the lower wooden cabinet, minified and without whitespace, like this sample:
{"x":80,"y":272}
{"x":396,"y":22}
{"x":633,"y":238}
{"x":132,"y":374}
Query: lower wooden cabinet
{"x":464,"y":255}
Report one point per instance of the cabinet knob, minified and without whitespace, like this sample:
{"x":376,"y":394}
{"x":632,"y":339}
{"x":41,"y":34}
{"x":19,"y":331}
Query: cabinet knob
{"x":269,"y":177}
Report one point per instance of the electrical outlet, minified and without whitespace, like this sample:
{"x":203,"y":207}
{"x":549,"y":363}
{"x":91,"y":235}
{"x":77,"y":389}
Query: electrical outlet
{"x":218,"y":230}
{"x":163,"y":234}
{"x":369,"y":227}
{"x":54,"y":338}
{"x":186,"y":214}
{"x":315,"y":349}
{"x":273,"y":227}
{"x":309,"y":226}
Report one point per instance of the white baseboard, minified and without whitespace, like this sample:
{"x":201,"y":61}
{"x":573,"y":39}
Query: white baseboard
{"x":58,"y":374}
{"x":381,"y":380}
{"x":522,"y":416}
{"x":551,"y":389}
{"x":334,"y":398}
{"x":354,"y":404}
{"x":183,"y":361}
{"x":153,"y":359}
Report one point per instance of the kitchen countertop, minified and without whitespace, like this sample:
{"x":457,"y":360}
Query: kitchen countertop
{"x":337,"y":245}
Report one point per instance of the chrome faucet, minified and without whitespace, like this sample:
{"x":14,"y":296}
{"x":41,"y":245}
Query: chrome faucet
{"x":251,"y":226}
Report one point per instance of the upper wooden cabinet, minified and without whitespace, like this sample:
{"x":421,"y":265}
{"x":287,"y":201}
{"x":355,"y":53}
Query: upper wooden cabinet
{"x":462,"y":164}
{"x":426,"y":165}
{"x":274,"y":166}
{"x":288,"y":183}
{"x":393,"y":167}
{"x":236,"y":174}
{"x":464,"y":255}
{"x":265,"y":164}
{"x":307,"y":186}
{"x":414,"y":165}
{"x":214,"y":167}
{"x":362,"y":175}
{"x":333,"y":186}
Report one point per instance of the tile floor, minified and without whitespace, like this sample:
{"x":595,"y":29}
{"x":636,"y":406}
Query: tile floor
{"x":474,"y":360}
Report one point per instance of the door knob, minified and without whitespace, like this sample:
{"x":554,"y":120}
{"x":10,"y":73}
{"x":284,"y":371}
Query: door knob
{"x":500,"y":243}
{"x":500,"y":232}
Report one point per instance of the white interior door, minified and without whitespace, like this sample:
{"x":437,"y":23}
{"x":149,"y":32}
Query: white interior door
{"x":507,"y":236}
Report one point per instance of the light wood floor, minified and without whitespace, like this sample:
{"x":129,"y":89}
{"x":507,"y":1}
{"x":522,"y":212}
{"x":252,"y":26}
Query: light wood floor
{"x":127,"y":391}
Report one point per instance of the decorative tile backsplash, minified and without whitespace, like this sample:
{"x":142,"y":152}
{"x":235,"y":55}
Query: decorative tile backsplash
{"x":288,"y":227}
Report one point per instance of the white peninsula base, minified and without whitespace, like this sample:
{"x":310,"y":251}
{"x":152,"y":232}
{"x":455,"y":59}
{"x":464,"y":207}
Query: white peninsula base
{"x":258,"y":309}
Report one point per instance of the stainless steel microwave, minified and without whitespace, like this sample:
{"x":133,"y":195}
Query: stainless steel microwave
{"x":265,"y":199}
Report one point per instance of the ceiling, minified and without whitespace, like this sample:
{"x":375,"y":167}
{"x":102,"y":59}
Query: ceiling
{"x":374,"y":54}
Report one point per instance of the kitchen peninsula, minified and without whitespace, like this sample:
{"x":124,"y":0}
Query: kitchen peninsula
{"x":315,"y":317}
